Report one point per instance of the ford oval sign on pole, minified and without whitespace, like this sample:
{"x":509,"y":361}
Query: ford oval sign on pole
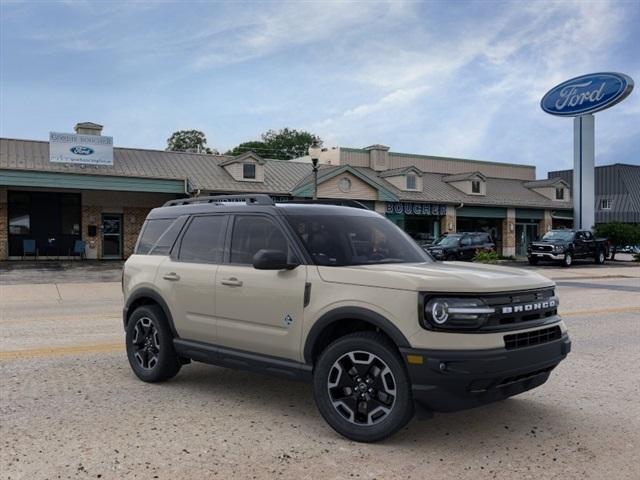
{"x":580,"y":97}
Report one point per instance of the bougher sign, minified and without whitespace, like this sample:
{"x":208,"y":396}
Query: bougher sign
{"x":80,"y":149}
{"x":587,"y":94}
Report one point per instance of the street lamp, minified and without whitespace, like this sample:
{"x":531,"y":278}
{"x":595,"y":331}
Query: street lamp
{"x":314,"y":152}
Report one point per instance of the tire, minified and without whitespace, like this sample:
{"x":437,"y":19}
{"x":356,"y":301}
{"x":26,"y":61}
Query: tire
{"x":149,"y":344}
{"x":380,"y":383}
{"x":567,"y":261}
{"x":533,"y":260}
{"x":600,"y":257}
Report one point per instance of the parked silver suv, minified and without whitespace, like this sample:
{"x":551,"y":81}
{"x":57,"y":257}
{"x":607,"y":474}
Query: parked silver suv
{"x":337,"y":296}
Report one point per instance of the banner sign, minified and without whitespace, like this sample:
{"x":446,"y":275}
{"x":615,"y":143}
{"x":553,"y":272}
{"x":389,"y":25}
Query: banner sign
{"x":80,"y":149}
{"x":409,"y":208}
{"x":587,"y":94}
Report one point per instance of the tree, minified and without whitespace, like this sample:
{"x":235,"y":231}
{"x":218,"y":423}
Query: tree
{"x":188,"y":141}
{"x":255,"y":146}
{"x":283,"y":144}
{"x":619,"y":234}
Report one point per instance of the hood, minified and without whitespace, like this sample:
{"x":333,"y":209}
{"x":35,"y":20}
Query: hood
{"x":437,"y":277}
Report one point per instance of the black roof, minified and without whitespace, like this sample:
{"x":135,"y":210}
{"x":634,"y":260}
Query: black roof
{"x":256,"y":204}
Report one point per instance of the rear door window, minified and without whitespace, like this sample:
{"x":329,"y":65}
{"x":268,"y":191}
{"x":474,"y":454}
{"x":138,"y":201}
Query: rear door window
{"x":203,"y":240}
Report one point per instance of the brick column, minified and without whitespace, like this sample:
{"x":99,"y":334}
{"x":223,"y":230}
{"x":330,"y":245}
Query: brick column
{"x":92,"y":215}
{"x":509,"y":233}
{"x":132,"y":218}
{"x":546,"y":223}
{"x":448,"y":222}
{"x":4,"y":226}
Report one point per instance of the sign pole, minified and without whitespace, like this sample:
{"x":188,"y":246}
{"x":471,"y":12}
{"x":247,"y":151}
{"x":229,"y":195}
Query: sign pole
{"x":583,"y":172}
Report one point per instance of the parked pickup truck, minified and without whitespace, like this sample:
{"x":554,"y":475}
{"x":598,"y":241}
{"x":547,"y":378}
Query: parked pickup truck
{"x":566,"y":245}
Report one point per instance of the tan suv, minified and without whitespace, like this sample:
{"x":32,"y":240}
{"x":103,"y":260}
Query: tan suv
{"x":337,"y":296}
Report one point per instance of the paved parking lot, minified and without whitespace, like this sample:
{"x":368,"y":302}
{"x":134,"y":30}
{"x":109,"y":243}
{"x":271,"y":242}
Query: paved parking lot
{"x":71,"y":408}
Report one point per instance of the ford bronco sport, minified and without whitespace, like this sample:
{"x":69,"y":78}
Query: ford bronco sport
{"x":337,"y":296}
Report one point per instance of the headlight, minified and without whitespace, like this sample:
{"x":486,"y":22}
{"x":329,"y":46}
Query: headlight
{"x":462,"y":313}
{"x":558,"y":248}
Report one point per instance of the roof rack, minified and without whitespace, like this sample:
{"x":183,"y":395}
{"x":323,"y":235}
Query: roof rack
{"x":259,"y":199}
{"x":337,"y":202}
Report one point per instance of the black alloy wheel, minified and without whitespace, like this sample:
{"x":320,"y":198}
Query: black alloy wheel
{"x":362,"y":388}
{"x":149,"y":342}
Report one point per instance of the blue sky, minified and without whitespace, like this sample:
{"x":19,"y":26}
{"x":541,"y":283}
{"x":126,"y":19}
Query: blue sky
{"x":460,"y":79}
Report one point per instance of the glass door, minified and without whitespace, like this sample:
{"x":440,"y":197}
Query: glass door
{"x":525,"y":233}
{"x":111,"y":235}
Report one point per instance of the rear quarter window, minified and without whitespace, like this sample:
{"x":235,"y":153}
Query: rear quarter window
{"x":158,"y":235}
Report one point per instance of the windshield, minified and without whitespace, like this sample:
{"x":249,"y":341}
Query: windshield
{"x":343,"y":240}
{"x":448,"y":241}
{"x":558,"y":235}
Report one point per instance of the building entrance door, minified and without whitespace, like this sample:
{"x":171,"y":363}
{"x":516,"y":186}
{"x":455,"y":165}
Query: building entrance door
{"x":525,"y":233}
{"x":111,"y":235}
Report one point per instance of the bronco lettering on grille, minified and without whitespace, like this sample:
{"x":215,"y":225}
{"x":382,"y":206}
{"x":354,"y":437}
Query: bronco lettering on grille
{"x":529,"y":307}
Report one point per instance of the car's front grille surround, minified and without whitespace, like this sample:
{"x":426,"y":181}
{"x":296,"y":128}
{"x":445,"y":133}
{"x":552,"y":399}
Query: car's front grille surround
{"x":504,"y":321}
{"x":532,"y":337}
{"x":500,"y":320}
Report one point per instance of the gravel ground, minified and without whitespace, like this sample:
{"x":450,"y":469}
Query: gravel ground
{"x":71,"y":408}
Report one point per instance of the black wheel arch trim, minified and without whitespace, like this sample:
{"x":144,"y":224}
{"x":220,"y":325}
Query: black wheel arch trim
{"x":352,"y":313}
{"x":157,"y":298}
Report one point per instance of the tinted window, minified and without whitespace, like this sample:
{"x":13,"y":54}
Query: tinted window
{"x":249,"y":170}
{"x":337,"y":240}
{"x":203,"y":240}
{"x":465,"y":242}
{"x":168,"y":238}
{"x":151,"y":233}
{"x":253,"y":233}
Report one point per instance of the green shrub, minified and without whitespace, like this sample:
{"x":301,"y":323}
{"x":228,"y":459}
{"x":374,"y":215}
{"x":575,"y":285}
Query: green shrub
{"x":486,"y":257}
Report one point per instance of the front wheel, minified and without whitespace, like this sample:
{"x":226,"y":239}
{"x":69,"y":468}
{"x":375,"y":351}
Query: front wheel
{"x":567,"y":261}
{"x":533,"y":260}
{"x":362,"y":388}
{"x":600,"y":257}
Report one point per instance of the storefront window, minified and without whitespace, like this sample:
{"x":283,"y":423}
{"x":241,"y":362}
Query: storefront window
{"x":70,"y":214}
{"x":19,"y":214}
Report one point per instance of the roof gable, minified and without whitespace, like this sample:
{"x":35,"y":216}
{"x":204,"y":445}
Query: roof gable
{"x":395,"y":172}
{"x":243,"y":157}
{"x":305,"y":188}
{"x":459,"y":177}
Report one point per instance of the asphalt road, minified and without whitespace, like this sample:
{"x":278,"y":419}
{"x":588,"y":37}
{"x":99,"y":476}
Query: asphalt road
{"x":71,"y":408}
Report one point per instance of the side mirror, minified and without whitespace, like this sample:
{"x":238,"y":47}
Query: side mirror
{"x":272,"y":260}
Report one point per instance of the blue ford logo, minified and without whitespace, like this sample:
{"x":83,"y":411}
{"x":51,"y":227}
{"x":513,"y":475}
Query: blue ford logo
{"x":78,"y":150}
{"x":587,"y":94}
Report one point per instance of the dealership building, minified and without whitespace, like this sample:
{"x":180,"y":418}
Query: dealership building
{"x":78,"y":187}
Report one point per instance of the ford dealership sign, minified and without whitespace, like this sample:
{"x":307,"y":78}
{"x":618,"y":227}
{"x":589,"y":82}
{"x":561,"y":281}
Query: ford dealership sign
{"x":587,"y":94}
{"x":80,"y":149}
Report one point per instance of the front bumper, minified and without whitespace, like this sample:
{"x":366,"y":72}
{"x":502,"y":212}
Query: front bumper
{"x":546,"y":255}
{"x":450,"y":380}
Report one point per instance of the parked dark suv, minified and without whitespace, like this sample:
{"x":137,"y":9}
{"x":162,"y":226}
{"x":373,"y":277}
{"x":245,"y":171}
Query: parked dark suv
{"x":461,"y":246}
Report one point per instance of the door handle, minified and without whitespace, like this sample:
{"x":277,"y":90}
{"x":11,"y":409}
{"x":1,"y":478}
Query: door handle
{"x":231,"y":282}
{"x":172,"y":276}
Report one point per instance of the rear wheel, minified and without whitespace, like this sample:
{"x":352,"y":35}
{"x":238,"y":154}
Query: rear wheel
{"x":362,"y":388}
{"x":150,"y":345}
{"x":567,"y":261}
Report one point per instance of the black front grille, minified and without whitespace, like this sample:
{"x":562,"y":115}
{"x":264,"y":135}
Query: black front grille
{"x":542,"y":248}
{"x":505,"y":318}
{"x":535,"y":337}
